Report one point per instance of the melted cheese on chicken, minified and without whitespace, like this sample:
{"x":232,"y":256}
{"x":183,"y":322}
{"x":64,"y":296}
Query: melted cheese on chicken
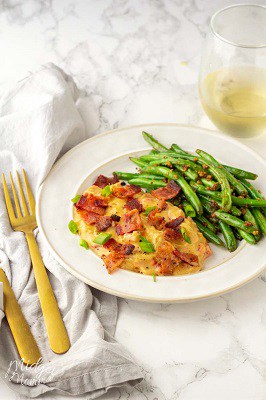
{"x":139,"y":261}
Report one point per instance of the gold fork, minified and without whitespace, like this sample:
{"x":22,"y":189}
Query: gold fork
{"x":26,"y":222}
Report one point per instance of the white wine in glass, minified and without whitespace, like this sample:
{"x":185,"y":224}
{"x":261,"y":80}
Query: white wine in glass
{"x":232,"y":82}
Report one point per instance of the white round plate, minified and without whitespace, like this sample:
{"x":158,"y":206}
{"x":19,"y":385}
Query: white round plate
{"x":109,"y":152}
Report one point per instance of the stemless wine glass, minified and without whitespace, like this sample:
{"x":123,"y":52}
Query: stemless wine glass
{"x":232,"y":82}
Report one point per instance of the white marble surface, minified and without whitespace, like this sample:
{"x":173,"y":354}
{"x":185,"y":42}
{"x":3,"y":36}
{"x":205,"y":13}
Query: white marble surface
{"x":138,"y":62}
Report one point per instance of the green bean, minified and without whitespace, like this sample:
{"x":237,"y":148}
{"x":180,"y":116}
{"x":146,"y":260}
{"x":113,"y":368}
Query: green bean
{"x":210,"y":160}
{"x":247,"y":236}
{"x":138,"y":161}
{"x":208,"y":204}
{"x":248,"y":216}
{"x":159,"y":170}
{"x":154,"y":157}
{"x":239,"y":201}
{"x":148,"y":176}
{"x":129,"y":175}
{"x":260,"y":219}
{"x":228,"y":235}
{"x":208,"y":234}
{"x":153,"y":142}
{"x":235,"y":211}
{"x":187,"y":190}
{"x":175,"y":147}
{"x":147,"y":183}
{"x":210,"y":183}
{"x":188,"y":209}
{"x":191,"y":174}
{"x":153,"y":151}
{"x":125,"y":175}
{"x":225,"y":187}
{"x":176,"y":161}
{"x":254,"y":193}
{"x":240,"y":173}
{"x":205,"y":222}
{"x":237,"y":234}
{"x":205,"y":192}
{"x":234,"y":221}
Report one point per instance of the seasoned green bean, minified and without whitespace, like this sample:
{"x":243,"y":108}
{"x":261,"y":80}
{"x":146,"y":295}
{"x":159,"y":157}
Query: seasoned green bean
{"x":206,"y":222}
{"x":228,"y":235}
{"x":210,"y":160}
{"x":189,"y":173}
{"x":147,"y":183}
{"x":254,"y":193}
{"x":208,"y":234}
{"x":129,"y":175}
{"x":247,"y":236}
{"x":225,"y":187}
{"x":234,"y":221}
{"x":153,"y":142}
{"x":260,"y":219}
{"x":240,"y":173}
{"x":210,"y":183}
{"x":138,"y":161}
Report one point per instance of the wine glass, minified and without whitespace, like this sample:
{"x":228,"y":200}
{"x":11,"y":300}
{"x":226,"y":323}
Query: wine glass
{"x":232,"y":81}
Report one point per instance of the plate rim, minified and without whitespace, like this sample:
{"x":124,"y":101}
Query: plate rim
{"x":119,"y":293}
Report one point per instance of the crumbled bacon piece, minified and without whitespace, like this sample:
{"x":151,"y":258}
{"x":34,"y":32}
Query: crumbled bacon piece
{"x":168,"y":192}
{"x":89,"y":202}
{"x":174,"y":223}
{"x":126,"y":191}
{"x":129,"y":222}
{"x":191,"y":259}
{"x":156,"y":220}
{"x":134,"y":204}
{"x":113,"y":245}
{"x":103,"y":222}
{"x":119,"y":230}
{"x":165,"y":259}
{"x":113,"y":261}
{"x":172,"y":234}
{"x":115,"y":217}
{"x":103,"y":181}
{"x":88,"y":216}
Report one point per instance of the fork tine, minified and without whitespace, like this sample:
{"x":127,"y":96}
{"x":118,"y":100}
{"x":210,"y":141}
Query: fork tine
{"x":9,"y":205}
{"x":29,"y":193}
{"x":18,"y":210}
{"x":22,"y":197}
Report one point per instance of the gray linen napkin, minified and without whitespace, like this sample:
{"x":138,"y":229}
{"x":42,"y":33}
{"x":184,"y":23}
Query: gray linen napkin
{"x":39,"y":121}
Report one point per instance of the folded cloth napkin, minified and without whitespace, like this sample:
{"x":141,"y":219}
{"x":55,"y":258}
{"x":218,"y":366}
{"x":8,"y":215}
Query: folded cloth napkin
{"x":1,"y":302}
{"x":39,"y":121}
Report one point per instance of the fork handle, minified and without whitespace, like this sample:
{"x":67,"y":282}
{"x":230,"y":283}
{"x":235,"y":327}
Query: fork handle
{"x":57,"y":334}
{"x":25,"y":342}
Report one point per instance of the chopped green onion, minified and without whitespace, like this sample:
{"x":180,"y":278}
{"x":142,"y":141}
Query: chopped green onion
{"x":106,"y":191}
{"x":185,"y":235}
{"x":145,"y":245}
{"x":76,"y":198}
{"x":143,"y":239}
{"x":84,"y":244}
{"x":148,"y":210}
{"x":154,"y":277}
{"x":73,"y":227}
{"x":102,"y":238}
